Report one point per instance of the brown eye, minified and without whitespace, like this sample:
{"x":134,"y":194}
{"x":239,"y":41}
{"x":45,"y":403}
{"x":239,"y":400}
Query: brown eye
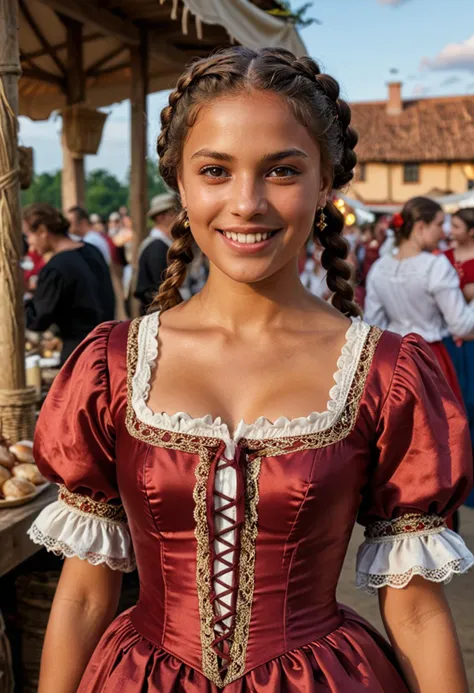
{"x":214,"y":172}
{"x":283,"y":172}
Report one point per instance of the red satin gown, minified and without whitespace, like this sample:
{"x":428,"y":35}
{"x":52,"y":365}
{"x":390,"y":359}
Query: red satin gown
{"x":395,"y":457}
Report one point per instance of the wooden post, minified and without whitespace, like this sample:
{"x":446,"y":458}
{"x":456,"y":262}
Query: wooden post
{"x":73,"y":186}
{"x":138,"y":145}
{"x":12,"y":329}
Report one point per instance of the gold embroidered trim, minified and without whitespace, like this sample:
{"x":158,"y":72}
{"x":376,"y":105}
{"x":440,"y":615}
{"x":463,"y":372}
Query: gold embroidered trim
{"x":238,"y":649}
{"x":150,"y":434}
{"x":343,"y":425}
{"x":187,"y":442}
{"x":411,"y":523}
{"x":84,"y":504}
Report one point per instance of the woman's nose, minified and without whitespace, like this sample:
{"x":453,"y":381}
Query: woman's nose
{"x":248,"y":198}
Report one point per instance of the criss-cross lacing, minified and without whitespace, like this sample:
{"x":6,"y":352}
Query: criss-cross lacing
{"x":227,"y":519}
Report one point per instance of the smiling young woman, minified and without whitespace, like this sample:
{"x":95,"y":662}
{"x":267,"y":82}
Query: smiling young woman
{"x":212,"y":437}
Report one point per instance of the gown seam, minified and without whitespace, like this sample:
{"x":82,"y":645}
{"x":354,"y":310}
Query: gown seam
{"x":145,"y":492}
{"x":395,"y":369}
{"x":285,"y":612}
{"x":165,"y":589}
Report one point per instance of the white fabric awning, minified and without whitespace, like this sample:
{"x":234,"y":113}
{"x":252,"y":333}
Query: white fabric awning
{"x":247,"y":24}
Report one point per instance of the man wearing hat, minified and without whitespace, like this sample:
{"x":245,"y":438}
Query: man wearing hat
{"x":153,"y":251}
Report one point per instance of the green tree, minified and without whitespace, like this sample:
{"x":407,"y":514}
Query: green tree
{"x":45,"y":187}
{"x":104,"y":193}
{"x":156,"y":184}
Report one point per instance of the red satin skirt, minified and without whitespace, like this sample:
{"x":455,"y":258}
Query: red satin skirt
{"x":447,"y":367}
{"x":354,"y":658}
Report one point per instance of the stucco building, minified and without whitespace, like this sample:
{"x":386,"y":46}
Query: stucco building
{"x":413,"y":147}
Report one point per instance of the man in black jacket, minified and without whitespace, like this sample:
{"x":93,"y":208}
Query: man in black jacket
{"x":152,"y":260}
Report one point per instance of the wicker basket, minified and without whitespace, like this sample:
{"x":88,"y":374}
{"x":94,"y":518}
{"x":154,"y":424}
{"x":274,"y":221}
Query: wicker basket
{"x":82,"y":128}
{"x":25,"y":160}
{"x":17,"y":414}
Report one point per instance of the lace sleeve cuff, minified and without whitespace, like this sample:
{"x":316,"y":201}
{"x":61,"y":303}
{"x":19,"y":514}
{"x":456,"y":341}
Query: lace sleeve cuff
{"x":69,"y":531}
{"x":391,"y":557}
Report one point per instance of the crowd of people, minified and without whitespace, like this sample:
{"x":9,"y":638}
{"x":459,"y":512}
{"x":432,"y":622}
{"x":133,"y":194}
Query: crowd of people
{"x":78,"y":269}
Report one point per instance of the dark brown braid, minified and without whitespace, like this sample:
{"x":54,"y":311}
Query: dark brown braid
{"x":180,"y":255}
{"x":314,"y":98}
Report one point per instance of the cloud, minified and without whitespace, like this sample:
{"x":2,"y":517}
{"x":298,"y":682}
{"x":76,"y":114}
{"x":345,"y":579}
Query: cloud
{"x":393,"y":3}
{"x":450,"y":81}
{"x":454,"y":56}
{"x":470,"y":87}
{"x":419,"y":90}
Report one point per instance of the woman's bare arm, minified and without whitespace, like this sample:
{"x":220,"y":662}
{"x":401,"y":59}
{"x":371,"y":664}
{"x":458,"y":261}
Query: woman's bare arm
{"x":420,"y":626}
{"x":468,"y":292}
{"x":84,"y":605}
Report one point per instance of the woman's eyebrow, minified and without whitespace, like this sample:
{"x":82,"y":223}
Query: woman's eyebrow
{"x":275,"y":156}
{"x":209,"y":154}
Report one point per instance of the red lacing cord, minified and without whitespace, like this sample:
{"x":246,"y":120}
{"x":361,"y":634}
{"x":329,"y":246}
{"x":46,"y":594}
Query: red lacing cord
{"x":229,"y":556}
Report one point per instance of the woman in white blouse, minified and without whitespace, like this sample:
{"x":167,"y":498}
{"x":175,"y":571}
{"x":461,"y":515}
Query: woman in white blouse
{"x":418,"y":291}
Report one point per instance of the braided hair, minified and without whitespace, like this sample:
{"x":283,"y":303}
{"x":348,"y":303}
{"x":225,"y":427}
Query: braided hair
{"x":314,"y":98}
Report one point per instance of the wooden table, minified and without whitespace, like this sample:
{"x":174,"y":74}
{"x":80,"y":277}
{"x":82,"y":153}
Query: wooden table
{"x":15,"y":545}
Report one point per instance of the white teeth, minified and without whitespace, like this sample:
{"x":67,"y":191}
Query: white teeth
{"x":247,"y":237}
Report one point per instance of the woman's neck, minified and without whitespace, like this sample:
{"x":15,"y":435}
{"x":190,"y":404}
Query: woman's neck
{"x":408,"y":248}
{"x":465,"y":251}
{"x":64,"y":243}
{"x":241,"y":307}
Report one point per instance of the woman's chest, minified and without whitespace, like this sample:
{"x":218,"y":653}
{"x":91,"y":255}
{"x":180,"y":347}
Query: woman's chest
{"x":303,"y":491}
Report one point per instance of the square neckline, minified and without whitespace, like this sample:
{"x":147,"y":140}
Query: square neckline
{"x":147,"y":348}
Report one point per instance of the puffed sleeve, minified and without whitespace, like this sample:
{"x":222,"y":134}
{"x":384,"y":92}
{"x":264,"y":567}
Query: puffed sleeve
{"x":422,"y":472}
{"x":75,"y":448}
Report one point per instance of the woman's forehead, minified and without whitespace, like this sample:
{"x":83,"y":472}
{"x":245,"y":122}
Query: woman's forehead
{"x":250,"y":122}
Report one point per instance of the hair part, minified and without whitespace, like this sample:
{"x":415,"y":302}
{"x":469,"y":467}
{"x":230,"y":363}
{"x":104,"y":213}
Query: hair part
{"x":314,"y":99}
{"x":417,"y":209}
{"x":41,"y":213}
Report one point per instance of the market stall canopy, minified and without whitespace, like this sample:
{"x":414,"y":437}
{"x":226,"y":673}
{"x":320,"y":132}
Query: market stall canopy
{"x":178,"y":30}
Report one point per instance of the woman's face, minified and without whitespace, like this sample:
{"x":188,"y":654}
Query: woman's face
{"x":251,"y":182}
{"x":459,"y":231}
{"x":38,"y":239}
{"x":433,"y":232}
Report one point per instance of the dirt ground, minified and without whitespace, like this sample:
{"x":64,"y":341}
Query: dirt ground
{"x":460,"y":593}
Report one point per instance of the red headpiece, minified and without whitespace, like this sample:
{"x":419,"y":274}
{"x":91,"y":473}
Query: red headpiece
{"x":397,"y":221}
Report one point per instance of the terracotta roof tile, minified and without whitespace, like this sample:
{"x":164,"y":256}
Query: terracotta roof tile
{"x":438,"y":129}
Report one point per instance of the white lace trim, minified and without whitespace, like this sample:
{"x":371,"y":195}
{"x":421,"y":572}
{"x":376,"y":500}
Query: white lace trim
{"x":436,"y":556}
{"x":262,"y":428}
{"x":65,"y":531}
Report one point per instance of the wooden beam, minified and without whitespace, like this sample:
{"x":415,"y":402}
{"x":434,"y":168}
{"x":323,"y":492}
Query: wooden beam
{"x":94,"y":68}
{"x":60,"y":46}
{"x":40,"y":36}
{"x":73,"y":175}
{"x":109,"y":70}
{"x":44,"y":76}
{"x":103,"y":20}
{"x":138,"y":143}
{"x":12,"y":321}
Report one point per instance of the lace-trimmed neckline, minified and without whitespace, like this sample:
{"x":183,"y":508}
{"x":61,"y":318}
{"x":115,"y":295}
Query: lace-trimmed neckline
{"x":262,"y":428}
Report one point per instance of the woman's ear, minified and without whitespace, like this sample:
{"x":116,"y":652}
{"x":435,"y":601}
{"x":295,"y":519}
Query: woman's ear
{"x":323,"y":193}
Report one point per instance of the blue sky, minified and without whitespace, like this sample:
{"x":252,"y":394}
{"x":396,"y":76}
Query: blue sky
{"x":429,"y":42}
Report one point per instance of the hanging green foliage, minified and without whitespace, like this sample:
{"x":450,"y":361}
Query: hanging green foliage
{"x":297,"y":17}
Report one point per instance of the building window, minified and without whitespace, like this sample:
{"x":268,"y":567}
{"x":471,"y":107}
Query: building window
{"x":361,"y":173}
{"x":411,"y":173}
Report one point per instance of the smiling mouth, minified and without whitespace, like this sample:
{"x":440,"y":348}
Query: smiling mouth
{"x":248,"y":238}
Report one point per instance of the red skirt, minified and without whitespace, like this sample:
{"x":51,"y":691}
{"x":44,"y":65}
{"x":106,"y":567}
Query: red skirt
{"x":447,"y":367}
